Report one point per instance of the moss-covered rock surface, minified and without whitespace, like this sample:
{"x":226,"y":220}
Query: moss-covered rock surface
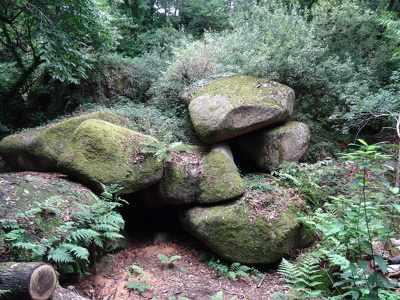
{"x":100,"y":153}
{"x":232,"y":106}
{"x":21,"y":192}
{"x":39,"y":149}
{"x":259,"y":228}
{"x":199,"y":175}
{"x":270,"y":147}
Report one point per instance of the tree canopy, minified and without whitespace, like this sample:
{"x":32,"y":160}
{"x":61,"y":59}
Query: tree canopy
{"x":61,"y":36}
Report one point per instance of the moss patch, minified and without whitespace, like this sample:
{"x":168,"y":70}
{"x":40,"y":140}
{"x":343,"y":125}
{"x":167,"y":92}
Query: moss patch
{"x":245,"y":90}
{"x":221,"y":180}
{"x":260,"y":227}
{"x":39,"y":149}
{"x":104,"y":153}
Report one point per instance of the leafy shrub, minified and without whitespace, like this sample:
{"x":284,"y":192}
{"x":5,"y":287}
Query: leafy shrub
{"x":349,"y":225}
{"x":276,"y":42}
{"x":316,"y":182}
{"x":194,"y":60}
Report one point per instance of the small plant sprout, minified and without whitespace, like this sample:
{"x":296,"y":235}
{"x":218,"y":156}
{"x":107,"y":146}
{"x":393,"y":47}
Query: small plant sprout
{"x":137,"y":279}
{"x":168,"y":261}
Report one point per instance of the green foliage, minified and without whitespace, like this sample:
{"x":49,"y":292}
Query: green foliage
{"x":168,"y":261}
{"x":137,"y":279}
{"x":4,"y":292}
{"x":316,"y":182}
{"x":72,"y":245}
{"x":231,"y":271}
{"x":161,"y":152}
{"x":195,"y":60}
{"x":349,"y":225}
{"x":304,"y":277}
{"x":165,"y":126}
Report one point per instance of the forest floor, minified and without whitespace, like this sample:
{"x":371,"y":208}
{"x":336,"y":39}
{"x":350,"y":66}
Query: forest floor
{"x":186,"y":278}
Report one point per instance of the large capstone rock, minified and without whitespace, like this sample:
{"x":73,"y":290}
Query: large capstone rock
{"x":259,"y":228}
{"x":100,"y":153}
{"x":39,"y":149}
{"x":269,"y":148}
{"x":200,"y":176}
{"x":232,"y":106}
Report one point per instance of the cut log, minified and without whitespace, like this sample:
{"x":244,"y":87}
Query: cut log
{"x":66,"y":294}
{"x":35,"y":281}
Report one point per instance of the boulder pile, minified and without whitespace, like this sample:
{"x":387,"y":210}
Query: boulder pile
{"x":239,"y":221}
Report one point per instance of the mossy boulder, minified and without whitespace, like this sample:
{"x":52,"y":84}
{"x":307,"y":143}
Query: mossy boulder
{"x":100,"y":153}
{"x":20,"y":192}
{"x":199,"y":175}
{"x":39,"y":149}
{"x":270,"y":147}
{"x":259,"y":228}
{"x":232,"y":106}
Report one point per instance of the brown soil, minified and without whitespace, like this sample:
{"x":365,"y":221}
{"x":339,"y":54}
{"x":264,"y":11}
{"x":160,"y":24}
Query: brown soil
{"x":187,"y":277}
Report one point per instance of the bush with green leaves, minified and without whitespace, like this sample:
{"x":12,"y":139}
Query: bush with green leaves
{"x":71,"y":245}
{"x":316,"y":182}
{"x":349,"y":226}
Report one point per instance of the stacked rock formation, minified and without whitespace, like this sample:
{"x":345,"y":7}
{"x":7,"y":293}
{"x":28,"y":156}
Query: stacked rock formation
{"x":248,"y":113}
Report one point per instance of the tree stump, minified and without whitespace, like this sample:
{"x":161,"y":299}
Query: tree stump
{"x":35,"y":281}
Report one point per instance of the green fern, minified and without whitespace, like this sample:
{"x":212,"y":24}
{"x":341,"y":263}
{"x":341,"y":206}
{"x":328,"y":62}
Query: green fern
{"x":137,"y":279}
{"x":304,"y":276}
{"x":136,"y":271}
{"x":140,"y":286}
{"x":59,"y":255}
{"x":77,"y":251}
{"x":168,"y":260}
{"x":162,"y":152}
{"x":67,"y":245}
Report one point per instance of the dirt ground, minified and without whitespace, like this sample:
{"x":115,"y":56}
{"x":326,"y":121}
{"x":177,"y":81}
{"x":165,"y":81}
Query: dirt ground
{"x":187,"y":277}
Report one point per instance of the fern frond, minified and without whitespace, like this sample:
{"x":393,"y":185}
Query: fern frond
{"x":15,"y":235}
{"x":98,"y":240}
{"x":77,"y":251}
{"x":59,"y":255}
{"x":29,"y":212}
{"x":112,"y":236}
{"x":113,"y":219}
{"x":85,"y":236}
{"x":105,"y":227}
{"x":140,"y":286}
{"x":9,"y":224}
{"x":288,"y":270}
{"x":29,"y":246}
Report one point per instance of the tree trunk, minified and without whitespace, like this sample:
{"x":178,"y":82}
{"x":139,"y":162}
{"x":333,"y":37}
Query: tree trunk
{"x":35,"y":281}
{"x":66,"y":294}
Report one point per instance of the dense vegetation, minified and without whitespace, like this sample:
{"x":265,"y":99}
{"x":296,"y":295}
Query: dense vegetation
{"x":136,"y":57}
